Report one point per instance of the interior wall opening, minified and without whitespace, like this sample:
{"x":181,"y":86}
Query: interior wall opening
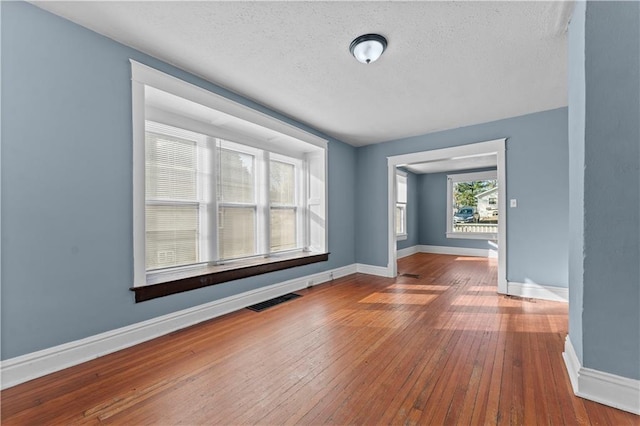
{"x":483,"y":196}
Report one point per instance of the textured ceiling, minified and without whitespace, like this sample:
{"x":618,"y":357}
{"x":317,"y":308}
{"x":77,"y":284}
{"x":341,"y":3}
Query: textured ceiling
{"x":448,"y":64}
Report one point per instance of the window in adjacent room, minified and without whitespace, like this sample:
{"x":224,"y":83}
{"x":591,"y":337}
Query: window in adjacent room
{"x":218,"y":184}
{"x":472,"y":205}
{"x":401,"y":205}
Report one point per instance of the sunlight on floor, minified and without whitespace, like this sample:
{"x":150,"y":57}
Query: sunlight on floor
{"x":471,"y":322}
{"x":557,"y":323}
{"x":399,"y":298}
{"x":516,"y":323}
{"x":476,"y":300}
{"x":484,"y":288}
{"x":419,"y":287}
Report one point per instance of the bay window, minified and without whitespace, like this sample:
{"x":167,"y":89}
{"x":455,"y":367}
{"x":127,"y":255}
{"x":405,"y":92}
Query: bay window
{"x":217,"y":184}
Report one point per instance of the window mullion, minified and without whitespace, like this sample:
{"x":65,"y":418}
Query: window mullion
{"x":266,"y":207}
{"x":299,"y":203}
{"x":212,"y":197}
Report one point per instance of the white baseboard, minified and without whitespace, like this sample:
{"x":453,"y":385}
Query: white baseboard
{"x":572,"y":363}
{"x":458,"y":251}
{"x":608,"y":389}
{"x":408,"y":251}
{"x":381,"y":271}
{"x":26,"y":367}
{"x":538,"y":291}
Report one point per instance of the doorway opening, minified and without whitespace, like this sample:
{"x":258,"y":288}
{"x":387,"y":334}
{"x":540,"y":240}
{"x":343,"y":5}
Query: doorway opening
{"x":464,"y":157}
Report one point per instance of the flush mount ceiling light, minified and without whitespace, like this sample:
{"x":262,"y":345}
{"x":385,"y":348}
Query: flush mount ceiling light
{"x":368,"y":48}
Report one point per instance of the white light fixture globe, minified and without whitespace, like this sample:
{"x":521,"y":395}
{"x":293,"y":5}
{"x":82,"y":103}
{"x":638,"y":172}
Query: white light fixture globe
{"x":368,"y":48}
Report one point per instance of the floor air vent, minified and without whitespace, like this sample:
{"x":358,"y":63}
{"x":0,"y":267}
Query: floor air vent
{"x":273,"y":302}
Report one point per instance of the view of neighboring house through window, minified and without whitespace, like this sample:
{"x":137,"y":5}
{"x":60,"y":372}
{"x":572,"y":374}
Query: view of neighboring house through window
{"x":472,"y":205}
{"x":401,"y":205}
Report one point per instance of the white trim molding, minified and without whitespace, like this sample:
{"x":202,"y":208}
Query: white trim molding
{"x":37,"y":364}
{"x":606,"y":388}
{"x":380,"y":271}
{"x":408,"y":251}
{"x":145,"y":74}
{"x":538,"y":291}
{"x":458,"y":251}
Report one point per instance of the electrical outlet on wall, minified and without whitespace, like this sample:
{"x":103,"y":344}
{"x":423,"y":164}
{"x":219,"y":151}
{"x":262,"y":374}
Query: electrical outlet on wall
{"x":513,"y":203}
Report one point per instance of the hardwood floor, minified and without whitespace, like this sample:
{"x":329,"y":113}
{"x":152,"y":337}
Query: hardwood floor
{"x":443,"y":348}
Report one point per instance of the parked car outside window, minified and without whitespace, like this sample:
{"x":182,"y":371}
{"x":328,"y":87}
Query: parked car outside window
{"x":465,"y":215}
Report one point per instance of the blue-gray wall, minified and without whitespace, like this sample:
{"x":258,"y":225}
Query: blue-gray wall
{"x":433,"y":213}
{"x":67,"y":187}
{"x":611,"y":173}
{"x":413,"y":212}
{"x":537,"y":175}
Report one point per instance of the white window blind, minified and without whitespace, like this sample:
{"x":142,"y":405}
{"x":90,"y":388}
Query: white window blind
{"x":402,"y":189}
{"x":172,"y":225}
{"x":282,"y":191}
{"x":237,"y":204}
{"x":180,"y":189}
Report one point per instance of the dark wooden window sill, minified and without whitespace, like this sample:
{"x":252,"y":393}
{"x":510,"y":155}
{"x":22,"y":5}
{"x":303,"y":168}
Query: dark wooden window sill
{"x":179,"y":281}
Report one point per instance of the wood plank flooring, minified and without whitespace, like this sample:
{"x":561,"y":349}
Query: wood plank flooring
{"x":442,"y":348}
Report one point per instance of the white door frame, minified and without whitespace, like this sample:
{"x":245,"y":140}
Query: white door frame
{"x":497,"y":147}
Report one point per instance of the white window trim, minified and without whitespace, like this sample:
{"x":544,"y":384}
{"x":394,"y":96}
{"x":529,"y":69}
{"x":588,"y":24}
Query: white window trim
{"x":465,"y":177}
{"x":146,"y":75}
{"x":141,"y":76}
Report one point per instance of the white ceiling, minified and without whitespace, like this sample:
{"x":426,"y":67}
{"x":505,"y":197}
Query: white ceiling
{"x":448,"y":64}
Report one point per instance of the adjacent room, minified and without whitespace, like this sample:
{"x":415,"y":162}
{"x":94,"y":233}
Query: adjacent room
{"x":320,"y":212}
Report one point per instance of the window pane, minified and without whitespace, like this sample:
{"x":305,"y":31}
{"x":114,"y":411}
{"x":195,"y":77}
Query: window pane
{"x":400,"y":219}
{"x":401,"y":187}
{"x":283,"y":229}
{"x":171,"y":167}
{"x":237,"y":177}
{"x":475,"y":206}
{"x":171,"y":235}
{"x":237,"y":230}
{"x":282,"y":183}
